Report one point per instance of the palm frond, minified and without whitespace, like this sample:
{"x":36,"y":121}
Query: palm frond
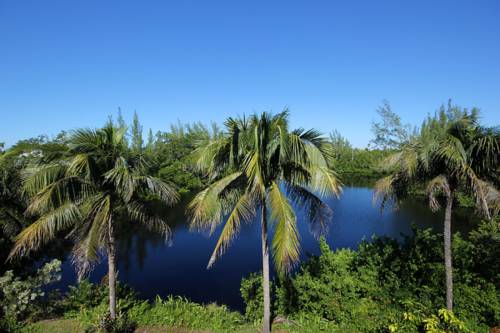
{"x":437,"y":185}
{"x":45,"y":229}
{"x":286,"y":245}
{"x":453,"y":152}
{"x":315,"y":156}
{"x":486,"y":195}
{"x":158,"y":187}
{"x":206,"y":210}
{"x":122,"y":179}
{"x":86,"y":251}
{"x":118,"y":134}
{"x":318,"y":212}
{"x":254,"y":173}
{"x":36,"y":178}
{"x":85,"y":140}
{"x":384,"y":191}
{"x":324,"y":181}
{"x":69,"y":189}
{"x":243,"y":211}
{"x":296,"y":149}
{"x":81,"y":165}
{"x":137,"y":211}
{"x":212,"y":156}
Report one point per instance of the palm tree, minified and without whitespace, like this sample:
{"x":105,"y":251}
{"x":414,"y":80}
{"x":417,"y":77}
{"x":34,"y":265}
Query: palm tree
{"x":260,"y":165}
{"x":452,"y":153}
{"x":86,"y":193}
{"x":12,"y":201}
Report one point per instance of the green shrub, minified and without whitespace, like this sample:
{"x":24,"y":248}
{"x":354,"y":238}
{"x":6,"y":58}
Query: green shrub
{"x":21,"y":298}
{"x":121,"y":324}
{"x":83,"y":295}
{"x":386,"y":286}
{"x":444,"y":322}
{"x":253,"y":296}
{"x":96,"y":319}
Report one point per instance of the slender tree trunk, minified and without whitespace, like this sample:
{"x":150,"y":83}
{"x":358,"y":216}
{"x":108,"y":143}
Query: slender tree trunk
{"x":111,"y":271}
{"x":447,"y":253}
{"x":266,"y":326}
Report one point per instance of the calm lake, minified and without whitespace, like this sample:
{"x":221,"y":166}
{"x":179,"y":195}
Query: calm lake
{"x":153,"y":267}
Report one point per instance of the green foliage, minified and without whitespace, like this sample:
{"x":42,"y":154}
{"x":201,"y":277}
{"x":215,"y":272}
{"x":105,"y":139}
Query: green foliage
{"x":120,"y":324}
{"x":390,"y":132}
{"x":252,"y":294}
{"x":339,"y":143}
{"x":259,"y":164}
{"x":383,"y":286}
{"x":177,"y":173}
{"x":137,"y":143}
{"x":170,"y":312}
{"x":354,"y":164}
{"x":20,"y":298}
{"x":179,"y":312}
{"x":444,"y":322}
{"x":386,"y":286}
{"x":97,"y":319}
{"x":453,"y":156}
{"x":89,"y":304}
{"x":81,"y":296}
{"x":13,"y":202}
{"x":332,"y":286}
{"x":85,"y":192}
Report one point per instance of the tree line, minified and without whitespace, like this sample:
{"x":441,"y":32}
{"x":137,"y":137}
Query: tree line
{"x":80,"y":187}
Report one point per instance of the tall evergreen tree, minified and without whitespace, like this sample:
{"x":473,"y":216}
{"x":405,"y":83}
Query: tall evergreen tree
{"x":137,"y":140}
{"x":151,"y":140}
{"x":390,"y":132}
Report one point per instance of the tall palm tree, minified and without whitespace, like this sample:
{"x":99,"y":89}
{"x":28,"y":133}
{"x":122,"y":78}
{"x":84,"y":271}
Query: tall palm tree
{"x":451,"y":154}
{"x":86,"y":193}
{"x":260,"y":165}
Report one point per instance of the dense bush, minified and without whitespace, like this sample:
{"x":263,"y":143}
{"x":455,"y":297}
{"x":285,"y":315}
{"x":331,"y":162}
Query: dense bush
{"x":82,"y":296}
{"x":251,"y":291}
{"x":86,"y":295}
{"x":21,"y":298}
{"x":387,"y":286}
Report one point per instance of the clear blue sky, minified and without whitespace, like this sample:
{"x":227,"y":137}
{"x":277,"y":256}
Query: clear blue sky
{"x":68,"y":64}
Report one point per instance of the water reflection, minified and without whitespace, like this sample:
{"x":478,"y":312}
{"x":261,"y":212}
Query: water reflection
{"x":155,"y":267}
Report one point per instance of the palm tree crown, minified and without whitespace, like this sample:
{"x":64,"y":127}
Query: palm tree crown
{"x":452,"y":153}
{"x":86,"y":192}
{"x":261,"y":163}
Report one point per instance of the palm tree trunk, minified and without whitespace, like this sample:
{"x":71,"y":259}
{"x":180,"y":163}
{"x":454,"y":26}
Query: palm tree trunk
{"x":111,"y":271}
{"x":447,"y":253}
{"x":266,"y":327}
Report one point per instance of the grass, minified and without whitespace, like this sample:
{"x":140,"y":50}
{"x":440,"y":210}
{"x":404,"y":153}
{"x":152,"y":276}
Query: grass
{"x":54,"y":326}
{"x":173,"y":314}
{"x":72,"y":326}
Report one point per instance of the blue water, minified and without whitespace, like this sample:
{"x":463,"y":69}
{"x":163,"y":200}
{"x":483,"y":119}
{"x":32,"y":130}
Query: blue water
{"x":153,"y":267}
